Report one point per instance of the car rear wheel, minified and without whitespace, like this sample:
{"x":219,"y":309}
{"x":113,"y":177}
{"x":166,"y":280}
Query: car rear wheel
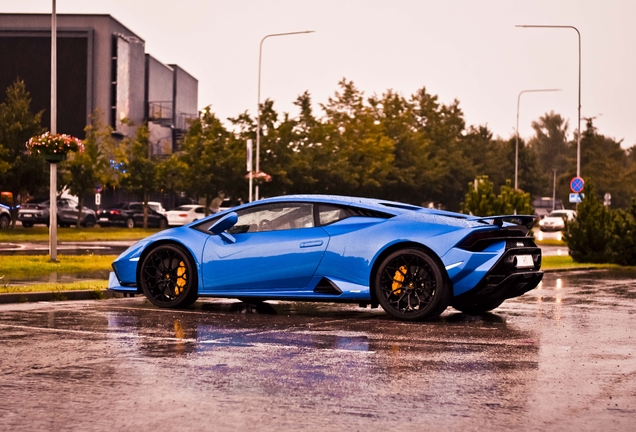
{"x":5,"y":221}
{"x":89,"y":222}
{"x":130,"y":223}
{"x":478,"y":309}
{"x":168,"y":278}
{"x":410,"y":286}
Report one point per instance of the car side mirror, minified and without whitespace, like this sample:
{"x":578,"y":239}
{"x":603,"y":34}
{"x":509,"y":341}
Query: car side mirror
{"x":223,"y":224}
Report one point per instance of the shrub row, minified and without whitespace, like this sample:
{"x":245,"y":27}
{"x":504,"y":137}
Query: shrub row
{"x":600,"y":234}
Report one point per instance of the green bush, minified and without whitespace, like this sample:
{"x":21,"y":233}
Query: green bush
{"x":601,"y":235}
{"x":482,"y":201}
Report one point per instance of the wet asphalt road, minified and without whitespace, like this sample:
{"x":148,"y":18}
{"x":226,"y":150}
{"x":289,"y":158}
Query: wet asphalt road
{"x":562,"y":357}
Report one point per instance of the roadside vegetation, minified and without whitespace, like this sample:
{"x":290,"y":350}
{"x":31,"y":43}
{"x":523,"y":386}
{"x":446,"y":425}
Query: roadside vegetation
{"x":94,"y":285}
{"x":30,"y":267}
{"x":41,"y":233}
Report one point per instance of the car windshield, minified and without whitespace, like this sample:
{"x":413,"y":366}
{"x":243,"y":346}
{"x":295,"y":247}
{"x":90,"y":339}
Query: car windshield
{"x":558,"y":214}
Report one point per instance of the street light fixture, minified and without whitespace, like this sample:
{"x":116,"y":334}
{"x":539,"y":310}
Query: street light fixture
{"x":578,"y":138}
{"x":258,"y":106}
{"x":517,"y":130}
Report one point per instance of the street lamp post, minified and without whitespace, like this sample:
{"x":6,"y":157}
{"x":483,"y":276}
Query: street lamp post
{"x":578,"y":138}
{"x":53,"y":166}
{"x":258,"y":106}
{"x":517,"y":129}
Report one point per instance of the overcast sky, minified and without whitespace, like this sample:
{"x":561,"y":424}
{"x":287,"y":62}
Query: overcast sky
{"x":468,"y":50}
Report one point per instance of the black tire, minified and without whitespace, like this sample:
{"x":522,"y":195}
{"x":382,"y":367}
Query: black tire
{"x":5,"y":221}
{"x":89,"y":222}
{"x":27,"y":224}
{"x":478,"y":309}
{"x":168,"y":278}
{"x":163,"y":224}
{"x":411,"y":286}
{"x":130,"y":223}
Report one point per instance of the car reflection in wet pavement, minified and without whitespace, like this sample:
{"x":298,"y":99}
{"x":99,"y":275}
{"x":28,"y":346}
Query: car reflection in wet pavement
{"x":558,"y":358}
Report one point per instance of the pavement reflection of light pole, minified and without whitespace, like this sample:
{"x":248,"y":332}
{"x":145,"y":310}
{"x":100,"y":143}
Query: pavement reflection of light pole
{"x":53,"y":166}
{"x":517,"y":129}
{"x":578,"y":138}
{"x":258,"y":106}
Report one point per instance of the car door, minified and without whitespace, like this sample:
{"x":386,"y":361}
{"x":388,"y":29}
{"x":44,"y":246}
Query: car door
{"x":66,"y":211}
{"x":277,"y":247}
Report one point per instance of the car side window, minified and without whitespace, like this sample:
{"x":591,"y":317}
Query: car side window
{"x":328,"y":214}
{"x":199,"y":210}
{"x":274,"y":217}
{"x":135,"y":207}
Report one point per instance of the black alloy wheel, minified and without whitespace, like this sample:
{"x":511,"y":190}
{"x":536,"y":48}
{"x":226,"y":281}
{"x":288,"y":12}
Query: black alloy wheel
{"x":168,"y":278}
{"x":410,"y":286}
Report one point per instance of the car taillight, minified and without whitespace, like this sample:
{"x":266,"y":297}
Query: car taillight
{"x":114,"y":212}
{"x":183,"y":215}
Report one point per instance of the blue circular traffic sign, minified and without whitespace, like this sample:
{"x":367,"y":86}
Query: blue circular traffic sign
{"x":577,"y":184}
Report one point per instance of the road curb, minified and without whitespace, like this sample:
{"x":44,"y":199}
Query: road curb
{"x":31,"y":297}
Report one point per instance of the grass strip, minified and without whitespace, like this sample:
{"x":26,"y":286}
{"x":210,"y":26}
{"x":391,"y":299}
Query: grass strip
{"x":550,"y":242}
{"x":16,"y":267}
{"x":41,"y":233}
{"x":565,"y":262}
{"x":95,"y":285}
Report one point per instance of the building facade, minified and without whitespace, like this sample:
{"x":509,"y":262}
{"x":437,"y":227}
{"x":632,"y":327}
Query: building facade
{"x":101,"y":66}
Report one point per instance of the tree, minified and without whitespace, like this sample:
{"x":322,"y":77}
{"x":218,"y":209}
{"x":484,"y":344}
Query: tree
{"x":481,"y":199}
{"x":21,"y":173}
{"x":83,"y":171}
{"x":214,"y":158}
{"x":589,"y":234}
{"x":550,"y":145}
{"x":140,"y":168}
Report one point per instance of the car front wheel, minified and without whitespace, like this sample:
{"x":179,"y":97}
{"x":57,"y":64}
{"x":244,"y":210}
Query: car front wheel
{"x":410,"y":286}
{"x":168,"y":278}
{"x":5,"y":221}
{"x":130,"y":223}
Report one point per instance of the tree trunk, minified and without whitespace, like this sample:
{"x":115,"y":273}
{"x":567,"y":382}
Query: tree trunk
{"x":208,"y":201}
{"x":146,"y":199}
{"x":80,"y":206}
{"x":14,"y":210}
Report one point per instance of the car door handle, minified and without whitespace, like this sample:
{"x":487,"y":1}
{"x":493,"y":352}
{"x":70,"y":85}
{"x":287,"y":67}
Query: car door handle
{"x":312,"y":243}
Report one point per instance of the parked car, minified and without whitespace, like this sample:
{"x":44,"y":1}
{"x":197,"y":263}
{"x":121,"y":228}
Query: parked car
{"x":130,"y":215}
{"x":185,"y":214}
{"x":556,"y":220}
{"x":36,"y":211}
{"x":5,"y":216}
{"x":412,"y":261}
{"x":156,"y":206}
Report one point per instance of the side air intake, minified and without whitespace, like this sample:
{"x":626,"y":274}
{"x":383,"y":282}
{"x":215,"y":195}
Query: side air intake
{"x":325,"y":286}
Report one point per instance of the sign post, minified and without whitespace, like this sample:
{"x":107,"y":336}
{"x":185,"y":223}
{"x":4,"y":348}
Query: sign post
{"x":576,"y":186}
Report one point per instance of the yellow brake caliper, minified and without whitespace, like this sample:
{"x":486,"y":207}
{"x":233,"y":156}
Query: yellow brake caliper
{"x":181,"y":278}
{"x":397,"y":280}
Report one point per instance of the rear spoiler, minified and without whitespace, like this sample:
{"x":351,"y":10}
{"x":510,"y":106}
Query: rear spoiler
{"x":523,"y":220}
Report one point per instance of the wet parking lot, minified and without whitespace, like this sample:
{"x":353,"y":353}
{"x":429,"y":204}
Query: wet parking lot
{"x":562,"y":357}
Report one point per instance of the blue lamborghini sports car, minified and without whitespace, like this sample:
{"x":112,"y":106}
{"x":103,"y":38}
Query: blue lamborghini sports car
{"x":412,"y":261}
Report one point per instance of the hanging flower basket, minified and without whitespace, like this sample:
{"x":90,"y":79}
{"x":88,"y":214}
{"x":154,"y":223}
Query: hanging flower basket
{"x":54,"y":148}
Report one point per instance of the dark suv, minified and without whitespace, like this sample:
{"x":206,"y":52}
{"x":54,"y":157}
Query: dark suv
{"x":36,"y":211}
{"x":130,"y":215}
